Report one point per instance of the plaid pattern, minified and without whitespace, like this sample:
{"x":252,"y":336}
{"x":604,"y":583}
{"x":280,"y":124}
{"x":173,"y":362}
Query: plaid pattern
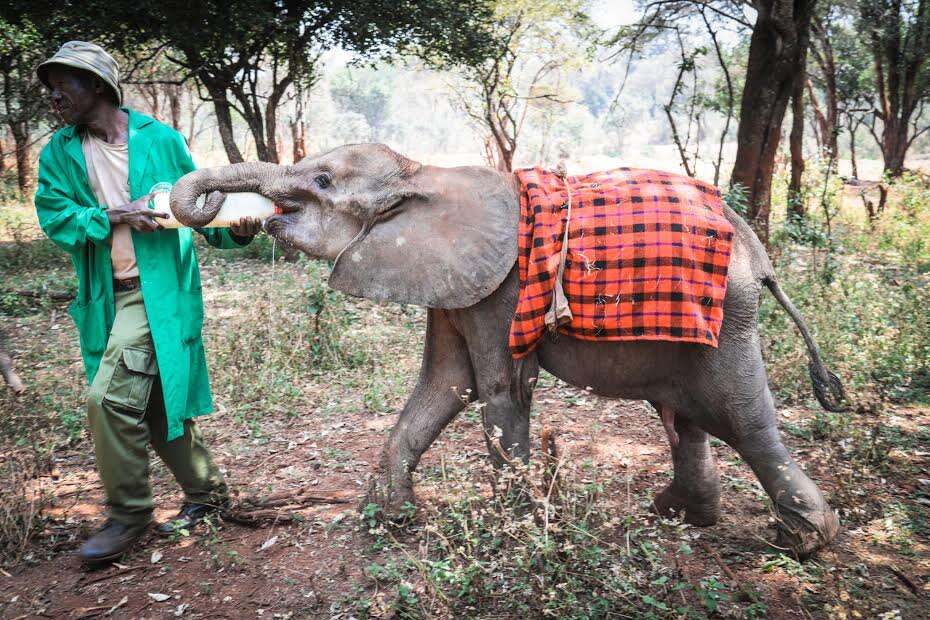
{"x":648,"y":254}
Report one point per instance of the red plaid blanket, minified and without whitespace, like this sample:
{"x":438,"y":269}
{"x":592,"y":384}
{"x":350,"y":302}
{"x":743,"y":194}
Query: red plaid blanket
{"x":648,"y":253}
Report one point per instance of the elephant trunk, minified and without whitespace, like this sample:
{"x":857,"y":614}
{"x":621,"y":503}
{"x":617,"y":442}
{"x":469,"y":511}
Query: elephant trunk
{"x":245,"y":177}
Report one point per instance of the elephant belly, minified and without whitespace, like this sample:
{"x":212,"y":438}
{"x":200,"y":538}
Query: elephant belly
{"x":649,"y":370}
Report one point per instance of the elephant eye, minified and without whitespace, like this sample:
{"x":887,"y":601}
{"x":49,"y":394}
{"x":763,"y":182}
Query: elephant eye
{"x":323,"y":181}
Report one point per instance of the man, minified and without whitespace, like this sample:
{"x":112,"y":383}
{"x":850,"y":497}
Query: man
{"x":139,"y":309}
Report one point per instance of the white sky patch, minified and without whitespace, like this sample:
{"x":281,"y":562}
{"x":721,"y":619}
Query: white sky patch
{"x":614,"y":13}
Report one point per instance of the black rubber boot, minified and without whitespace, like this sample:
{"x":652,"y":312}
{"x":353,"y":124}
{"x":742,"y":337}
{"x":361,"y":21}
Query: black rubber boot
{"x":110,"y":543}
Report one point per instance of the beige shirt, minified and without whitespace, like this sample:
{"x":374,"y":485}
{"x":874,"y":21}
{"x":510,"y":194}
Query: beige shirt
{"x":108,"y":173}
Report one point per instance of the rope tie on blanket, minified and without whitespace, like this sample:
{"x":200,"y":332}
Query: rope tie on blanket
{"x":559,"y":313}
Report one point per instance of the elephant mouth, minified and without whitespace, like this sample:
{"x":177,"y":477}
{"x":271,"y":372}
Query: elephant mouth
{"x":285,"y":207}
{"x":275,"y":224}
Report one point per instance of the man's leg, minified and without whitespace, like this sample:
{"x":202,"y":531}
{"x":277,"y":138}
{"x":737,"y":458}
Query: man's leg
{"x":187,"y":457}
{"x":189,"y":460}
{"x":116,"y":405}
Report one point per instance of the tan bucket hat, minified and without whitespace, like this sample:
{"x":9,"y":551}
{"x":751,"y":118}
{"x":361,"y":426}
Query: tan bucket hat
{"x":86,"y":56}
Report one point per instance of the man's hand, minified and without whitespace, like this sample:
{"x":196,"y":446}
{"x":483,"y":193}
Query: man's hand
{"x":246,"y":228}
{"x":137,"y":215}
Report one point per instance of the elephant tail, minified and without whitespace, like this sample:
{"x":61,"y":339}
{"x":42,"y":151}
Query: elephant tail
{"x":827,"y":386}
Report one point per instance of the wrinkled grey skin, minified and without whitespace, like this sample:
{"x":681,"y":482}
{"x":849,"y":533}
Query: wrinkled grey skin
{"x":445,"y":238}
{"x":6,"y":369}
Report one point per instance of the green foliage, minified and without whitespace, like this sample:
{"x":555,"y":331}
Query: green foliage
{"x":369,"y":97}
{"x":737,"y":198}
{"x":871,"y":325}
{"x":293,"y":331}
{"x":539,"y":547}
{"x":23,"y":45}
{"x":862,"y":287}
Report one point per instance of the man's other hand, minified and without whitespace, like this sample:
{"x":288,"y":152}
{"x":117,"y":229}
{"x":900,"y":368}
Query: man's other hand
{"x":137,"y":214}
{"x":246,"y":228}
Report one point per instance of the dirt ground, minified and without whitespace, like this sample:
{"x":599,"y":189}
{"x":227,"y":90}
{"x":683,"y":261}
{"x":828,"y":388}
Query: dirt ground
{"x":315,"y":566}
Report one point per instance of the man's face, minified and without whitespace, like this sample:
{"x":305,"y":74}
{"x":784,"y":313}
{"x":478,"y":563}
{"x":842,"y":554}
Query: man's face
{"x":74,"y":93}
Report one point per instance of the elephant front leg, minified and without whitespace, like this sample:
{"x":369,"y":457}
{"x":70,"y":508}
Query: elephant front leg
{"x":445,"y":380}
{"x":506,"y":395}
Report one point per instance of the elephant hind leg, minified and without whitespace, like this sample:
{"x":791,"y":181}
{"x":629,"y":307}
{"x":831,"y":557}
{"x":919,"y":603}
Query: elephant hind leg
{"x":805,"y":520}
{"x":695,"y":490}
{"x":742,"y":414}
{"x":445,"y":384}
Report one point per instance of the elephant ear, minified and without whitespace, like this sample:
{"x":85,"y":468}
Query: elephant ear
{"x":445,"y":250}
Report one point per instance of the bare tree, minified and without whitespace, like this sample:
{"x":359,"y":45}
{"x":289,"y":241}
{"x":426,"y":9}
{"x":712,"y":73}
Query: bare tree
{"x":728,"y":107}
{"x":796,"y":204}
{"x":899,"y":33}
{"x":538,"y":40}
{"x":778,"y":41}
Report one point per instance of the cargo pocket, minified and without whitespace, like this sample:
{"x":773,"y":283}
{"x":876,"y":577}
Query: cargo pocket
{"x":131,"y":384}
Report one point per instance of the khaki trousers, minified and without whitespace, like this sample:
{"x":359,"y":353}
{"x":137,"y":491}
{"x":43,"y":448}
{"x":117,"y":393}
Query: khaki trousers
{"x":126,"y":412}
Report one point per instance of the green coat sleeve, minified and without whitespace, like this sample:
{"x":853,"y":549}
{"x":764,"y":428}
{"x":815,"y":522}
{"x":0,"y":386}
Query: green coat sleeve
{"x":217,"y":237}
{"x":68,"y":224}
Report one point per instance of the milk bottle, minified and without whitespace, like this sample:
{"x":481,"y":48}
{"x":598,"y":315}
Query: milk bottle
{"x":236,"y":206}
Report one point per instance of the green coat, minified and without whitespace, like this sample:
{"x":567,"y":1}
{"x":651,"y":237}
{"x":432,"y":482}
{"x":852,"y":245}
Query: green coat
{"x":71,"y":217}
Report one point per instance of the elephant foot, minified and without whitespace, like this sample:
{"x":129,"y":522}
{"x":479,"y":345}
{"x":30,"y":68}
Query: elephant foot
{"x":668,"y":503}
{"x":804,"y":534}
{"x":396,"y":502}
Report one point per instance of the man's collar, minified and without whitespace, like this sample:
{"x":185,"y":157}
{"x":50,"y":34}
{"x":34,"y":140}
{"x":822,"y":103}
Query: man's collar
{"x":137,"y":120}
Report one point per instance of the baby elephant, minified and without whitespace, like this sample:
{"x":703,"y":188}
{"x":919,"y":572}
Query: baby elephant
{"x":6,"y":369}
{"x":446,"y":238}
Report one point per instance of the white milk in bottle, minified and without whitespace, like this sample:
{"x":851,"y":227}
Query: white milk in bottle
{"x":236,"y":206}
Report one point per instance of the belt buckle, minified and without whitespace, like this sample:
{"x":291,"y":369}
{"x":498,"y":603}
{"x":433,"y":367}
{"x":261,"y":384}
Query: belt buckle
{"x":129,"y":284}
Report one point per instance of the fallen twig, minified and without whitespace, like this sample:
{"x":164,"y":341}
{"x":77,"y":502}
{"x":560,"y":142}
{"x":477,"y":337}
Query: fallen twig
{"x":53,"y":295}
{"x":905,"y":580}
{"x":90,"y":612}
{"x":278,"y":507}
{"x":301,"y":495}
{"x":77,"y":491}
{"x":111,"y":575}
{"x":726,"y":569}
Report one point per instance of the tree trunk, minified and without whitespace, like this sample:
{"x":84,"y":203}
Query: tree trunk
{"x":852,"y":151}
{"x":822,"y":50}
{"x":271,"y":118}
{"x":223,"y":117}
{"x":894,"y":146}
{"x":299,"y":130}
{"x":252,"y":114}
{"x":21,"y":135}
{"x":796,"y":207}
{"x":778,"y":41}
{"x":2,"y":157}
{"x":298,"y":140}
{"x":174,"y":105}
{"x":505,"y":160}
{"x":822,"y":129}
{"x":900,"y":50}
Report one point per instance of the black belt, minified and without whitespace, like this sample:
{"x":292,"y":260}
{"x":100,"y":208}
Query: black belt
{"x":129,"y":284}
